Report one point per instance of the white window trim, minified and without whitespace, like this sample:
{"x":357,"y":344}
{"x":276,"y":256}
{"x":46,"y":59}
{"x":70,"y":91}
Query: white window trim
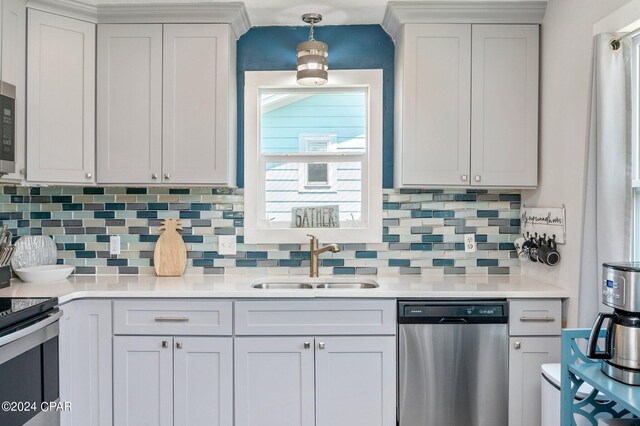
{"x":635,"y":144}
{"x":371,"y":229}
{"x":303,"y":142}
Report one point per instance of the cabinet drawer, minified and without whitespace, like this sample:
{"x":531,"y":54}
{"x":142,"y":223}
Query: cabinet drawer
{"x":315,"y":317}
{"x":535,"y":317}
{"x":172,"y":317}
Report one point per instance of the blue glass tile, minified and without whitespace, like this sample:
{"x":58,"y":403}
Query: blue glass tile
{"x":246,"y":262}
{"x":509,"y":197}
{"x":72,"y":207}
{"x":34,"y":191}
{"x":481,"y":238}
{"x":391,"y":238}
{"x":291,"y":263}
{"x":158,"y":206}
{"x":422,"y":246}
{"x":240,"y":239}
{"x":40,"y":215}
{"x":179,"y":191}
{"x":256,"y":255}
{"x":487,"y":213}
{"x":5,"y":216}
{"x":203,"y":262}
{"x":146,"y":214}
{"x":506,"y":246}
{"x":514,"y":222}
{"x":200,"y":206}
{"x":117,"y":262}
{"x":192,"y":238}
{"x":102,"y":238}
{"x":299,"y":255}
{"x":442,"y":262}
{"x":465,"y":197}
{"x":104,"y":214}
{"x":366,"y":254}
{"x":61,"y":199}
{"x":421,"y":213}
{"x":114,"y":206}
{"x":238,"y":223}
{"x":23,"y":223}
{"x":149,"y":238}
{"x":233,"y":215}
{"x":189,"y":215}
{"x":332,"y":262}
{"x":342,"y":270}
{"x":428,"y":238}
{"x":81,"y":254}
{"x":389,"y":206}
{"x":487,"y":262}
{"x":459,"y":246}
{"x":211,"y":255}
{"x":399,"y":262}
{"x":136,"y":190}
{"x":74,"y":246}
{"x":92,"y":191}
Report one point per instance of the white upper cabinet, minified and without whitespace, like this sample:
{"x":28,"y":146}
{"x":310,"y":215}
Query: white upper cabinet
{"x":433,"y":111}
{"x":13,"y":36}
{"x":61,"y":99}
{"x":129,"y":144}
{"x":466,"y":105}
{"x":504,"y":111}
{"x":199,"y":111}
{"x":166,"y":104}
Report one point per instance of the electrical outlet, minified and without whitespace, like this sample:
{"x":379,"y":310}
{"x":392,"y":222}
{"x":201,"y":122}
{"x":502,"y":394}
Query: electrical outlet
{"x":470,"y":243}
{"x":114,"y":244}
{"x":226,"y":244}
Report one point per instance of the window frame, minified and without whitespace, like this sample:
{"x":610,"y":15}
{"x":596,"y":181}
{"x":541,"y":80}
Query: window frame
{"x":635,"y":144}
{"x":303,"y":180}
{"x":370,"y":229}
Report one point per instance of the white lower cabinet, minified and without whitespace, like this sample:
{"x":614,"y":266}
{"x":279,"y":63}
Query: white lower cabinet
{"x":161,"y":380}
{"x":323,"y":381}
{"x":85,"y":362}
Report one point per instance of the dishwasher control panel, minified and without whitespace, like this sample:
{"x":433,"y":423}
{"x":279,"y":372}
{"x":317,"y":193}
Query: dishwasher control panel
{"x":454,"y":312}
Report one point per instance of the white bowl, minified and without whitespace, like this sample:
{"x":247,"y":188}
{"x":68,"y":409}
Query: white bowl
{"x":44,"y":273}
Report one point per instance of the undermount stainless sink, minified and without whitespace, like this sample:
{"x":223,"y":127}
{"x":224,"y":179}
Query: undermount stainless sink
{"x":349,"y":285}
{"x":281,"y":286}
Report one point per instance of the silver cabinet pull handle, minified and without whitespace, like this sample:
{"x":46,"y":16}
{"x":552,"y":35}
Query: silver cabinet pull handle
{"x":307,"y":345}
{"x":165,"y":344}
{"x":478,"y":178}
{"x":89,"y":175}
{"x":321,"y":345}
{"x":154,"y":176}
{"x":167,"y":175}
{"x":464,"y":178}
{"x":537,"y":319}
{"x":179,"y":344}
{"x":172,"y":319}
{"x":517,"y":345}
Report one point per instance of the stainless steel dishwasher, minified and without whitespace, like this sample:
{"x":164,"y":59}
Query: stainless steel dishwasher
{"x":453,"y":363}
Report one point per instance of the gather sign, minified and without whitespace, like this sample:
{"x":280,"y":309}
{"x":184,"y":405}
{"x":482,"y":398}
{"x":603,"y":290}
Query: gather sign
{"x":315,"y":217}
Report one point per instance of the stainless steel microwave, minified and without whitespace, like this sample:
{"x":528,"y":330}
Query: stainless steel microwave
{"x":8,"y":110}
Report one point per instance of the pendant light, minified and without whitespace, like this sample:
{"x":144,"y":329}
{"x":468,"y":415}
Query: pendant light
{"x":312,"y":56}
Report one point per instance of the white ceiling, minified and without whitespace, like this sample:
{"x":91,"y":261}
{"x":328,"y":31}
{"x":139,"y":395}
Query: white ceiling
{"x":288,"y":12}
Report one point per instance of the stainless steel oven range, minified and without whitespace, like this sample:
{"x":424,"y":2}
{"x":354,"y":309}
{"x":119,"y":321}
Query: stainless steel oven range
{"x":29,"y":380}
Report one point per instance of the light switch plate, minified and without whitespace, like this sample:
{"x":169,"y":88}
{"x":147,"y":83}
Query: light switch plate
{"x":114,"y":244}
{"x":470,"y":243}
{"x":227,"y":244}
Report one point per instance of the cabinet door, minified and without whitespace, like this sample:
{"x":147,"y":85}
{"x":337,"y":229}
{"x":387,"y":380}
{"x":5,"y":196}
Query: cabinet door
{"x":526,"y":356}
{"x":274,"y":381}
{"x":129,"y":132}
{"x":85,"y":362}
{"x":14,"y":48}
{"x":61,"y":99}
{"x":355,"y":381}
{"x":197,"y":104}
{"x":203,"y":381}
{"x":504,"y":111}
{"x":142,"y":380}
{"x":434,"y":115}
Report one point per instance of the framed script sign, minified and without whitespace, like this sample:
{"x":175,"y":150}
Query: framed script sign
{"x":544,"y":220}
{"x":315,"y":217}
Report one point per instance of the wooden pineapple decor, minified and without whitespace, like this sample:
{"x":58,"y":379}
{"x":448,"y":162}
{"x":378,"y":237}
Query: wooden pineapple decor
{"x":170,"y":254}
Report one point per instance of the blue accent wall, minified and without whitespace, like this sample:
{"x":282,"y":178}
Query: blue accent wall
{"x":350,"y":47}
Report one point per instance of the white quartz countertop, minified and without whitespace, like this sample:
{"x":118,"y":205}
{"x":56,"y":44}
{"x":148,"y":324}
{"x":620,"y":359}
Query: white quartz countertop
{"x":225,"y":286}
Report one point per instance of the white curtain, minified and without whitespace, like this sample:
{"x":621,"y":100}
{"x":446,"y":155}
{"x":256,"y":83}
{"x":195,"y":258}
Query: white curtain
{"x":608,"y":199}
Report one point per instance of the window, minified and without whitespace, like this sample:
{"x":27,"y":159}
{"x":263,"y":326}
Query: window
{"x":315,"y":150}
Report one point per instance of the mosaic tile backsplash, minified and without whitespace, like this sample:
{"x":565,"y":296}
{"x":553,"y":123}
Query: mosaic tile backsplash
{"x":422,"y":231}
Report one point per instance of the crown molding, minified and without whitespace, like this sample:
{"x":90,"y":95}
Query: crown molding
{"x":70,"y":8}
{"x":234,"y":14}
{"x":399,"y":13}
